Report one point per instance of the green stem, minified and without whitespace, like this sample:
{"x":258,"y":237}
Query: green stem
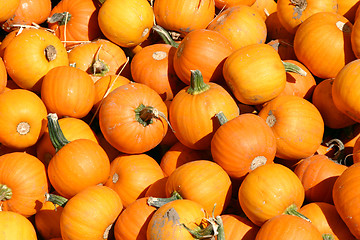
{"x":61,"y":18}
{"x":197,"y":84}
{"x":292,"y":210}
{"x":221,"y":117}
{"x":56,"y":199}
{"x":57,"y":137}
{"x":165,"y":36}
{"x":328,"y":236}
{"x":290,"y":67}
{"x":5,"y":192}
{"x":221,"y":231}
{"x":158,"y":202}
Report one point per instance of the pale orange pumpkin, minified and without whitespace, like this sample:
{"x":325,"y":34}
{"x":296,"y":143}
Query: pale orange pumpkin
{"x":14,"y":226}
{"x":8,"y":8}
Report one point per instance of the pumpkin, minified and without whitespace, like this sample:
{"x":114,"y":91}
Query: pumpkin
{"x":284,"y":48}
{"x":283,"y":227}
{"x":238,"y":227}
{"x":27,"y":13}
{"x":75,"y":22}
{"x":205,"y":50}
{"x":184,"y":16}
{"x":153,"y":66}
{"x":348,"y":8}
{"x":3,"y":76}
{"x":104,"y":206}
{"x":264,"y":7}
{"x":23,"y":183}
{"x":346,"y":198}
{"x":292,"y":13}
{"x":356,"y":151}
{"x":68,"y":91}
{"x":275,"y":30}
{"x":157,"y":189}
{"x":238,"y":149}
{"x":194,"y":124}
{"x":133,"y":221}
{"x":47,"y":220}
{"x":22,"y":125}
{"x":31,"y":54}
{"x":8,"y":8}
{"x":14,"y":226}
{"x":241,"y":24}
{"x":132,"y":118}
{"x":224,"y":4}
{"x":77,"y":164}
{"x":212,"y":187}
{"x":99,"y":58}
{"x":347,"y":79}
{"x":169,"y":221}
{"x":318,"y":174}
{"x":327,"y":220}
{"x":179,"y":154}
{"x":297,"y":125}
{"x":268,"y":191}
{"x":126,"y":23}
{"x":72,"y":128}
{"x":323,"y":101}
{"x":129,"y":184}
{"x":319,"y":33}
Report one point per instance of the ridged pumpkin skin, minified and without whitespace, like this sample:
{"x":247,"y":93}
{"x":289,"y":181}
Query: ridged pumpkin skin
{"x":238,"y":227}
{"x":14,"y":226}
{"x":346,"y":198}
{"x":212,"y":184}
{"x":184,"y":16}
{"x":33,"y":46}
{"x":327,"y":220}
{"x":121,"y":123}
{"x":241,"y":24}
{"x":25,"y":176}
{"x":323,"y":44}
{"x":255,"y":74}
{"x":284,"y":227}
{"x":297,"y":125}
{"x":166,"y":221}
{"x":268,"y":191}
{"x":104,"y":206}
{"x":347,"y":79}
{"x":318,"y":174}
{"x":293,"y":13}
{"x":126,"y":22}
{"x":238,"y":149}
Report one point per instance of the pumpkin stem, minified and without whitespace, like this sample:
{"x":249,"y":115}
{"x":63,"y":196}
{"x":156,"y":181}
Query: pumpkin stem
{"x":271,"y":119}
{"x":197,"y":84}
{"x":290,"y":67}
{"x":328,"y":236}
{"x":292,"y":210}
{"x":165,"y":35}
{"x":99,"y":67}
{"x":158,"y":202}
{"x":221,"y":117}
{"x":57,"y":137}
{"x":5,"y":192}
{"x":50,"y":53}
{"x":338,"y":155}
{"x":61,"y":18}
{"x":300,"y":6}
{"x":56,"y":199}
{"x":145,"y":115}
{"x":257,"y":162}
{"x":215,"y":228}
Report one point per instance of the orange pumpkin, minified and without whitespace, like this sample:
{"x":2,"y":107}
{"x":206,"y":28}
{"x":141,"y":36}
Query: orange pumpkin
{"x":77,"y":164}
{"x":293,"y":13}
{"x":75,"y":22}
{"x":280,"y":190}
{"x":348,"y":8}
{"x":157,"y":189}
{"x":8,"y":8}
{"x":47,"y":220}
{"x":14,"y":226}
{"x":3,"y":76}
{"x":223,"y":4}
{"x":194,"y":124}
{"x":284,"y":48}
{"x":126,"y":23}
{"x":297,"y":125}
{"x":355,"y":36}
{"x":319,"y":34}
{"x":318,"y":174}
{"x":104,"y":205}
{"x":23,"y":183}
{"x":68,"y":91}
{"x":241,"y":24}
{"x":27,"y":13}
{"x":184,"y":16}
{"x":238,"y":149}
{"x":275,"y":30}
{"x":239,"y":227}
{"x":132,"y":118}
{"x":22,"y":125}
{"x":265,"y":7}
{"x":131,"y":185}
{"x":31,"y":54}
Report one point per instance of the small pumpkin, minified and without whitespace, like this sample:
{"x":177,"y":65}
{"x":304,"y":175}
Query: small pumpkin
{"x":47,"y":220}
{"x":8,"y":8}
{"x":236,"y":226}
{"x":14,"y":226}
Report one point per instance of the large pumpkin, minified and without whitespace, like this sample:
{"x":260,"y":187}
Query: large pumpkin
{"x":14,"y":226}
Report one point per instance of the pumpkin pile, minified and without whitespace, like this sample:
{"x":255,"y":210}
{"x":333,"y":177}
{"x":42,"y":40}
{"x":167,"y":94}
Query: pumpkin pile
{"x":179,"y":119}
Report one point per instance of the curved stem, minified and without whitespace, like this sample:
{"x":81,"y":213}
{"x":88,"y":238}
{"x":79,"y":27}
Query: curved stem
{"x":5,"y":192}
{"x":145,"y":115}
{"x":56,"y":199}
{"x":99,"y":67}
{"x":290,"y":67}
{"x":221,"y":117}
{"x":165,"y":36}
{"x":158,"y":202}
{"x":197,"y":84}
{"x":292,"y":210}
{"x":57,"y":137}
